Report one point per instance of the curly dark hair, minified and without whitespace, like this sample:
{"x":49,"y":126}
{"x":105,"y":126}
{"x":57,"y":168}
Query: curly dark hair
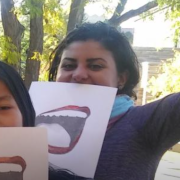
{"x":111,"y":39}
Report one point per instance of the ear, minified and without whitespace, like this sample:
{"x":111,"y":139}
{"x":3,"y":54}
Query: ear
{"x":123,"y":78}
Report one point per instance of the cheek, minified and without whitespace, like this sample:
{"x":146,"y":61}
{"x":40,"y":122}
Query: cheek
{"x":63,"y":76}
{"x":19,"y":119}
{"x":105,"y":79}
{"x":11,"y":119}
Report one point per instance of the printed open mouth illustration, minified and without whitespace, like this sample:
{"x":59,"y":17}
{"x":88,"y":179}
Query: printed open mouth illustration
{"x":12,"y":168}
{"x":65,"y":126}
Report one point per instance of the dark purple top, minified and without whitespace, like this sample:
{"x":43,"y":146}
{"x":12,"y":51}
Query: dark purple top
{"x":135,"y":144}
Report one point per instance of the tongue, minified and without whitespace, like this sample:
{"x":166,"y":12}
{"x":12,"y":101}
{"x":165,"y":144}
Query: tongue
{"x":10,"y":167}
{"x":57,"y":135}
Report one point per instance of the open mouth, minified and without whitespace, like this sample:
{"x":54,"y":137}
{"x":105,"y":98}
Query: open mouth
{"x":65,"y":126}
{"x":12,"y":168}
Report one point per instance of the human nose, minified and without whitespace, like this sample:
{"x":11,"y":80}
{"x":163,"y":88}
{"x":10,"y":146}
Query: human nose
{"x":80,"y":75}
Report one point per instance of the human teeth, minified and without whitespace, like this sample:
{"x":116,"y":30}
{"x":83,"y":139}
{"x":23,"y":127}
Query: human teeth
{"x":70,"y":113}
{"x":57,"y":135}
{"x":6,"y":167}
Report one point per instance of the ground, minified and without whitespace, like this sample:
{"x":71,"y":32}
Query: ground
{"x":169,"y":167}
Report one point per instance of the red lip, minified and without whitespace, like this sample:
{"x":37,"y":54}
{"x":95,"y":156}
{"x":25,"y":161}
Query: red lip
{"x":71,"y":107}
{"x":14,"y":160}
{"x":63,"y":150}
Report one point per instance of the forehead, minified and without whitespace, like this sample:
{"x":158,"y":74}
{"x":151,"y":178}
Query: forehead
{"x":88,"y":48}
{"x":4,"y":89}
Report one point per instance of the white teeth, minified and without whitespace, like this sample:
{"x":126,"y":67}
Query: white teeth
{"x":57,"y":135}
{"x":70,"y":113}
{"x":6,"y":167}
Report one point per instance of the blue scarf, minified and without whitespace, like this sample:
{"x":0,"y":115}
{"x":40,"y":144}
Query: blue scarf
{"x":121,"y":105}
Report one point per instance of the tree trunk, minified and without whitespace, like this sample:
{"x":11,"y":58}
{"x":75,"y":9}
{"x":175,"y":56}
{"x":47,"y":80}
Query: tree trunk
{"x":36,"y":44}
{"x":76,"y":14}
{"x":118,"y":11}
{"x":117,"y":18}
{"x":13,"y":30}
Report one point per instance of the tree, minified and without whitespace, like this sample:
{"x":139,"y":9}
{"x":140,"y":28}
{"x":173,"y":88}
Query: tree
{"x":117,"y":18}
{"x":36,"y":42}
{"x":41,"y":24}
{"x":30,"y":13}
{"x":55,"y":24}
{"x":168,"y":79}
{"x":172,"y":13}
{"x":76,"y":14}
{"x":13,"y":31}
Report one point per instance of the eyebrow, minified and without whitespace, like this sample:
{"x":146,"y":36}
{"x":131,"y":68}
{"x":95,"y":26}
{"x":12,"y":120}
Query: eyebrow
{"x":95,"y":59}
{"x":89,"y":59}
{"x":69,"y":59}
{"x":6,"y":97}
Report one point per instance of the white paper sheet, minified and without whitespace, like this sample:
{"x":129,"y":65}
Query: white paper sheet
{"x":23,"y":153}
{"x":91,"y":103}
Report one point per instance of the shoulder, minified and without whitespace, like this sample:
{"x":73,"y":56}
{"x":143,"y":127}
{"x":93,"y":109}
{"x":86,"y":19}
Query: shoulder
{"x":160,"y":109}
{"x":166,"y":102}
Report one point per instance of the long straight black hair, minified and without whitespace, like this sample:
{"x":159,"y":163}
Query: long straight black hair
{"x":15,"y":84}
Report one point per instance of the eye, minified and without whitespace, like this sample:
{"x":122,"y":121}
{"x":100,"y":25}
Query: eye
{"x":95,"y":67}
{"x":68,"y":67}
{"x":5,"y":108}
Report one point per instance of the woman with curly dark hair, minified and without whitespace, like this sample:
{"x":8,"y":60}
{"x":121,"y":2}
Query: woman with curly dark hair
{"x":136,"y":137}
